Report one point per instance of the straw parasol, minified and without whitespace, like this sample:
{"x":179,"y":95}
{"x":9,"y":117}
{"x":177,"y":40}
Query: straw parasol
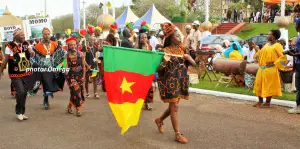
{"x":7,"y":19}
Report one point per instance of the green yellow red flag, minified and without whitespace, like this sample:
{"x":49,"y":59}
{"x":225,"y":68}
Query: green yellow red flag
{"x":128,"y":75}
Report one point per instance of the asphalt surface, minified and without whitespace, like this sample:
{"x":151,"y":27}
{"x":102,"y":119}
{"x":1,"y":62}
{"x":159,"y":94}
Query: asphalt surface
{"x":208,"y":122}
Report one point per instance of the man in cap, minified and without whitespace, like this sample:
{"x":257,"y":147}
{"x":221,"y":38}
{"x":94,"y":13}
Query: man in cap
{"x":44,"y":58}
{"x":196,"y":36}
{"x":153,"y":40}
{"x":17,"y":55}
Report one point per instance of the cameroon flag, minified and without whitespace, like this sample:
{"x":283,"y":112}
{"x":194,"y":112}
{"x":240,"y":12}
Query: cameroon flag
{"x":128,"y":75}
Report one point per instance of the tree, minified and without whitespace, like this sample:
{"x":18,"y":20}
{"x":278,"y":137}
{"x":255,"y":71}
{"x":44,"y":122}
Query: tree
{"x":63,"y":22}
{"x":256,"y":4}
{"x":142,"y":6}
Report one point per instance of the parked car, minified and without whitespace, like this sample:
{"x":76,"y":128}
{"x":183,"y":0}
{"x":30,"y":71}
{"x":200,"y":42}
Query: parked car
{"x":260,"y":40}
{"x":210,"y":42}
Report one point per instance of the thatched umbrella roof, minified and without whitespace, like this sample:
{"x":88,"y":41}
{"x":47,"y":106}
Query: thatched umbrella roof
{"x":7,"y":19}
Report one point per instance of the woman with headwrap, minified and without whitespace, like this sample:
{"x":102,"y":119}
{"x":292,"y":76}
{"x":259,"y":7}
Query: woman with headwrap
{"x":270,"y":58}
{"x":48,"y":56}
{"x":114,"y":30}
{"x":134,"y":36}
{"x":126,"y":41}
{"x":144,"y":44}
{"x":234,"y":52}
{"x":75,"y":76}
{"x":173,"y":81}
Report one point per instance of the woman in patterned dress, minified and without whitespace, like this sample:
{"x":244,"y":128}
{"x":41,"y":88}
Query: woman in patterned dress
{"x":173,"y":82}
{"x":75,"y":77}
{"x":143,"y":44}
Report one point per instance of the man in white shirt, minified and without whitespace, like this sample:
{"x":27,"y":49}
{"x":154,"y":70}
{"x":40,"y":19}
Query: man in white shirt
{"x":153,"y":40}
{"x":197,"y":36}
{"x":249,"y":53}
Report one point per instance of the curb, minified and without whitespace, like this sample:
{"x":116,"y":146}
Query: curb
{"x":241,"y":97}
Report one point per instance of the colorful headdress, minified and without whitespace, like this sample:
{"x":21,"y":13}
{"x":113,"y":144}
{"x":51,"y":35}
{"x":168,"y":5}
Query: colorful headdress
{"x":99,"y":27}
{"x":82,"y":33}
{"x":130,"y":25}
{"x":114,"y":26}
{"x":169,"y":29}
{"x":75,"y":35}
{"x":46,"y":29}
{"x":91,"y":29}
{"x":68,"y":32}
{"x":18,"y":32}
{"x":71,"y":40}
{"x":145,"y":25}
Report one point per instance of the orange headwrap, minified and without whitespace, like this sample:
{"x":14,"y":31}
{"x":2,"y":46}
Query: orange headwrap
{"x":18,"y":32}
{"x":71,"y":40}
{"x":169,"y":29}
{"x":45,"y":29}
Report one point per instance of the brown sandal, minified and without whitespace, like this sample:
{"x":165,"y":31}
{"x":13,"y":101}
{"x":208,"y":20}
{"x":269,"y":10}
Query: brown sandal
{"x":69,"y":110}
{"x":78,"y":114}
{"x":159,"y":125}
{"x":266,"y":105}
{"x":258,"y":104}
{"x":180,"y":139}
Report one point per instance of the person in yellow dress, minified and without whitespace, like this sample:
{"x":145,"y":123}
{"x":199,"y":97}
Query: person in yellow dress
{"x":234,"y":52}
{"x":270,"y":58}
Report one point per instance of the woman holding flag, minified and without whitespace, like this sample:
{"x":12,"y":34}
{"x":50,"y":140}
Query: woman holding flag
{"x":75,"y":76}
{"x":173,"y":79}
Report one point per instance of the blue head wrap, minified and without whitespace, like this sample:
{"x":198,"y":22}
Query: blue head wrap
{"x":297,"y":20}
{"x":230,"y":49}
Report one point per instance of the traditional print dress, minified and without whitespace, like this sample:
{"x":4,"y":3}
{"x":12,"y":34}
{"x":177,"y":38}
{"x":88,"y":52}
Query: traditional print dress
{"x":74,"y":80}
{"x":52,"y":81}
{"x":267,"y":82}
{"x":173,"y":81}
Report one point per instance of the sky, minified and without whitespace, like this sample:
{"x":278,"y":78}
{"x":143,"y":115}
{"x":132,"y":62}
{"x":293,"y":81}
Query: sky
{"x":54,"y":7}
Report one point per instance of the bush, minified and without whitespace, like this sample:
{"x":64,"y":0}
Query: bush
{"x":178,"y":19}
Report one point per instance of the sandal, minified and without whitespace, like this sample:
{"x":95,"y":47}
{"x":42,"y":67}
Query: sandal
{"x":266,"y":105}
{"x":96,"y":96}
{"x":87,"y":95}
{"x":78,"y":114}
{"x":258,"y":104}
{"x":148,"y":107}
{"x":69,"y":110}
{"x":180,"y":139}
{"x":159,"y":125}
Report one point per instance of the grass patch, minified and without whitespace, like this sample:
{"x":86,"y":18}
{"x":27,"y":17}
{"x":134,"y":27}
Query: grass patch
{"x":254,"y":29}
{"x":206,"y":84}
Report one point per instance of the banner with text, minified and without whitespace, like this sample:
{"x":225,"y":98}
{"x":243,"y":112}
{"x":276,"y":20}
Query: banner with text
{"x":36,"y":27}
{"x":7,"y":33}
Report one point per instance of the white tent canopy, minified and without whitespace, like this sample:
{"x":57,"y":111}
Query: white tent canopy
{"x":126,"y":16}
{"x":152,"y":17}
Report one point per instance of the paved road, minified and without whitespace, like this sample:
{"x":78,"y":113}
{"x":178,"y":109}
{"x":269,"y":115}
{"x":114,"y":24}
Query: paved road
{"x":208,"y":122}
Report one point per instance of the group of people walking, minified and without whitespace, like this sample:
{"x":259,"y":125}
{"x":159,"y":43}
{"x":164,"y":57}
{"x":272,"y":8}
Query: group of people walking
{"x":20,"y":55}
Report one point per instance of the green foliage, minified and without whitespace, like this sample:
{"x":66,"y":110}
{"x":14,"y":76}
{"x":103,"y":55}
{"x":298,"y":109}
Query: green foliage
{"x":259,"y":28}
{"x":178,"y":19}
{"x":63,"y":22}
{"x":238,"y":5}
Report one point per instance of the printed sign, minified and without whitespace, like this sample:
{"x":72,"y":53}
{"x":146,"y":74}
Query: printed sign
{"x":7,"y":33}
{"x":37,"y":25}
